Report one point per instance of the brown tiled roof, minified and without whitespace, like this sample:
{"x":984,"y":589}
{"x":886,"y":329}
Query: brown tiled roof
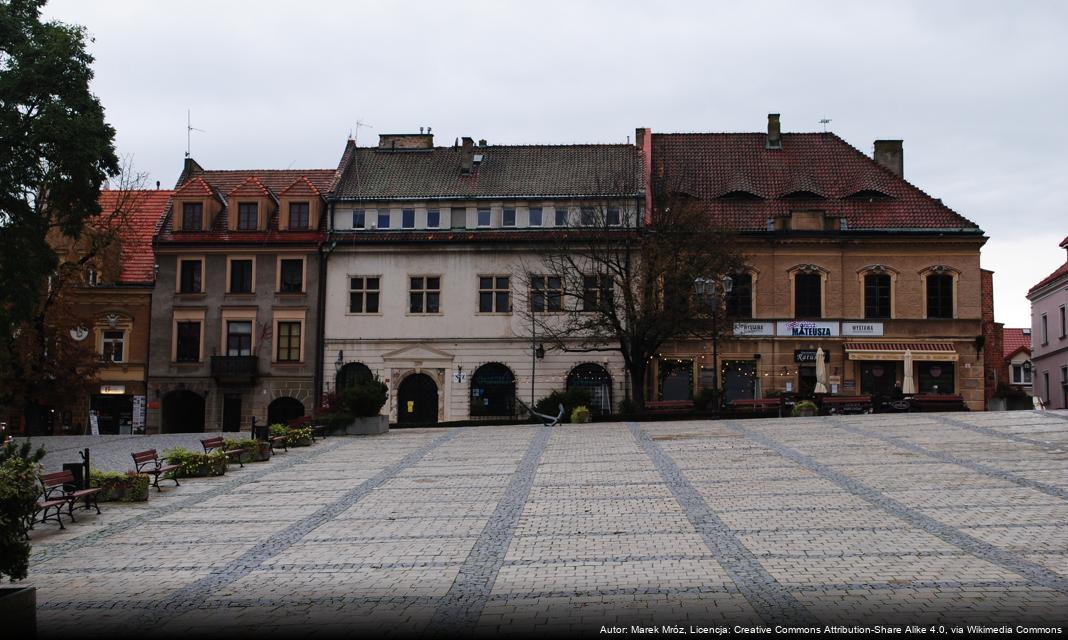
{"x":1056,"y":275}
{"x":819,"y":168}
{"x":143,"y":212}
{"x":1013,"y":340}
{"x":301,"y":187}
{"x":194,"y":188}
{"x":505,"y":171}
{"x":250,"y":188}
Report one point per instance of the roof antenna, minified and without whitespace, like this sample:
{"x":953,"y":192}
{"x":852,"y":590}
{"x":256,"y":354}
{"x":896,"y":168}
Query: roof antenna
{"x":189,"y":128}
{"x":360,"y":123}
{"x":824,"y":122}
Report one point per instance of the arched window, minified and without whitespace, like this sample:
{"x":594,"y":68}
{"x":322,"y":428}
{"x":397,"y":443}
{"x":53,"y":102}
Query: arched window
{"x":493,"y":391}
{"x":593,"y":379}
{"x":350,"y":374}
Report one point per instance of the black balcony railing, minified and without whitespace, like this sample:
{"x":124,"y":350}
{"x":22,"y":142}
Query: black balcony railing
{"x":234,"y":369}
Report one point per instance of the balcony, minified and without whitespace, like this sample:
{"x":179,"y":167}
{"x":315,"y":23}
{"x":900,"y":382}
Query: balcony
{"x":234,"y":369}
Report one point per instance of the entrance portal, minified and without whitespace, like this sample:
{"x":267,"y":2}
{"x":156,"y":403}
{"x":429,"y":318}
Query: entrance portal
{"x":114,"y":413}
{"x":878,"y":379}
{"x":417,"y":400}
{"x":183,"y":412}
{"x":282,"y":410}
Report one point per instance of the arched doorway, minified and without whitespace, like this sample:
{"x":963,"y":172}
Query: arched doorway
{"x":417,"y":400}
{"x":593,"y":379}
{"x":282,"y":410}
{"x":183,"y":412}
{"x":351,"y":373}
{"x":493,"y":391}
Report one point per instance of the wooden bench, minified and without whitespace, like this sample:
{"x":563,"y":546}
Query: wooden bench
{"x":55,"y":490}
{"x":219,"y":442}
{"x":148,"y":463}
{"x":766,"y":407}
{"x":666,"y":407}
{"x":283,"y":440}
{"x":318,"y":430}
{"x":844,"y":405}
{"x":940,"y":402}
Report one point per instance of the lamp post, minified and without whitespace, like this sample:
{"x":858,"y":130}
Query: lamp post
{"x":712,"y":291}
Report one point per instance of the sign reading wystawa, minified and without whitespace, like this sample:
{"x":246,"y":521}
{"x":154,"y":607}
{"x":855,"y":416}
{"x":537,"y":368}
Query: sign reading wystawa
{"x":742,"y":329}
{"x":806,"y":329}
{"x":862,"y":328}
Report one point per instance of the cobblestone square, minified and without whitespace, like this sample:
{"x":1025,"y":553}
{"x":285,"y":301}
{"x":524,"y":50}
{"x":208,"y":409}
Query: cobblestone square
{"x":894,"y":519}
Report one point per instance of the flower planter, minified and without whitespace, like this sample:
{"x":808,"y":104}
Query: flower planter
{"x":262,"y":453}
{"x":18,"y":610}
{"x":371,"y":425}
{"x":204,"y":469}
{"x":133,"y":490}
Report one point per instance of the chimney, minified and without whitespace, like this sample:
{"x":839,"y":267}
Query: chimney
{"x":467,"y":154}
{"x":774,"y":139}
{"x":406,"y":141}
{"x":888,"y":153}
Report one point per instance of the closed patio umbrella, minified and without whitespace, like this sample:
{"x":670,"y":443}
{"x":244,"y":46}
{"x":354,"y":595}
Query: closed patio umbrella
{"x":821,"y":372}
{"x":908,"y":386}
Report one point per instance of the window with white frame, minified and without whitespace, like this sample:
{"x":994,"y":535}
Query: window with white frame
{"x":1021,"y":374}
{"x":359,"y":221}
{"x":363,"y":294}
{"x":112,"y":345}
{"x":433,"y":219}
{"x":508,"y":218}
{"x":383,"y":219}
{"x":535,"y":217}
{"x":408,"y":219}
{"x":614,"y":217}
{"x":484,"y":217}
{"x":561,"y":216}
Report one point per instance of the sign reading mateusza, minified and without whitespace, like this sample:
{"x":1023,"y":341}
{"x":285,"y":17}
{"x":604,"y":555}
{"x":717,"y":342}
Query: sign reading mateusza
{"x":806,"y":329}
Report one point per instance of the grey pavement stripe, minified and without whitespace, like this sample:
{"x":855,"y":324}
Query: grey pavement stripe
{"x":765,"y":594}
{"x":1037,"y":574}
{"x":192,"y":595}
{"x":461,"y":608}
{"x":994,"y":433}
{"x":1050,"y":414}
{"x":154,"y":513}
{"x":978,"y":467}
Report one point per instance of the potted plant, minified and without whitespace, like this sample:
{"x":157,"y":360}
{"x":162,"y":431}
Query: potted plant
{"x":18,"y":502}
{"x":120,"y":487}
{"x":805,"y":408}
{"x":194,"y":464}
{"x":295,"y":436}
{"x":581,"y":415}
{"x":361,"y":404}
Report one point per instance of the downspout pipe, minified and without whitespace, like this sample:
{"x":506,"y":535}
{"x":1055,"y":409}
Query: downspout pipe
{"x":325,"y":248}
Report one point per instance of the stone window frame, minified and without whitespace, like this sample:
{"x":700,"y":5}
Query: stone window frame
{"x":364,"y":291}
{"x":237,"y":314}
{"x":546,"y":291}
{"x":229,"y":261}
{"x":754,"y":276}
{"x":288,"y":315}
{"x":494,"y":290}
{"x":113,"y":321}
{"x":187,"y":315}
{"x":278,"y":274}
{"x":883,"y":270}
{"x":423,"y":292}
{"x":178,"y":274}
{"x":941,"y":270}
{"x":808,"y":269}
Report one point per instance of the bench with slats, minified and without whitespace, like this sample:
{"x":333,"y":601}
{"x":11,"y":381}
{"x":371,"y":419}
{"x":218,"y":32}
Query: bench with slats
{"x":211,"y":444}
{"x":148,"y":463}
{"x":55,"y":490}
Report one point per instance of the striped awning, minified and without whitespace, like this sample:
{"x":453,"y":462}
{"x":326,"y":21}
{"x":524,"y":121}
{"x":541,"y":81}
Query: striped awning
{"x":944,"y":351}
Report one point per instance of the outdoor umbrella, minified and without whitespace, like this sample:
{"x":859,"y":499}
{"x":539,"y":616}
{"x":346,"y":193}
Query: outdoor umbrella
{"x":821,"y":372}
{"x":908,"y":387}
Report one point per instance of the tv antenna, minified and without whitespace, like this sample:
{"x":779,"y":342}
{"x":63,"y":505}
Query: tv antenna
{"x":359,"y":123}
{"x":189,"y":129}
{"x":824,"y":122}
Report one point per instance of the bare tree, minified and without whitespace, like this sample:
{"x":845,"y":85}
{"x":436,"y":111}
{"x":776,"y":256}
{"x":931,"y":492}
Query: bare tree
{"x":615,"y":283}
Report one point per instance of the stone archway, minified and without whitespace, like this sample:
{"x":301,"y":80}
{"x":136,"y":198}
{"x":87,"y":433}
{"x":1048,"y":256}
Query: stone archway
{"x":417,"y":400}
{"x":595,"y":380}
{"x":284,"y":409}
{"x":493,"y":391}
{"x":183,"y":412}
{"x":350,"y":373}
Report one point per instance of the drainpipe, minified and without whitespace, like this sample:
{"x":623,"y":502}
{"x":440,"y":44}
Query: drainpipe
{"x":324,"y":249}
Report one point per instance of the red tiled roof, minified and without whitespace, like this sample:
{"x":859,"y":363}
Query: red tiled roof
{"x":194,"y":188}
{"x":1013,"y":340}
{"x":1056,"y":275}
{"x":811,"y":171}
{"x":301,"y":187}
{"x":250,"y":188}
{"x":143,"y":212}
{"x":900,"y":346}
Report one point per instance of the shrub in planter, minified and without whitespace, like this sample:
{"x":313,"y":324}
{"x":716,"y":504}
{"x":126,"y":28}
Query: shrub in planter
{"x":194,"y":464}
{"x":805,"y":408}
{"x":18,"y":500}
{"x":571,"y":398}
{"x":364,"y":398}
{"x":120,"y":487}
{"x":580,"y":415}
{"x":300,"y":437}
{"x":258,"y":450}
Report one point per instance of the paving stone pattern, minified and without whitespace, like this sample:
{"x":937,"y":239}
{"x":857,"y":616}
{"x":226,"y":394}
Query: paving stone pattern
{"x":909,"y":518}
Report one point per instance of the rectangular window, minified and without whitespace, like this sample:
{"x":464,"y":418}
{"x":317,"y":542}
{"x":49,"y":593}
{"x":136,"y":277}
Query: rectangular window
{"x":546,"y":293}
{"x":740,"y":299}
{"x":358,"y":219}
{"x":596,"y":292}
{"x":288,"y":342}
{"x":433,"y":219}
{"x":1043,"y":330}
{"x":535,"y":217}
{"x":509,"y":218}
{"x":808,"y":301}
{"x":298,"y":216}
{"x":383,"y":219}
{"x":363,"y":294}
{"x":935,"y":377}
{"x":190,"y":276}
{"x":247,"y":216}
{"x":876,"y":295}
{"x":424,"y":294}
{"x":240,"y":276}
{"x":561,"y":216}
{"x":588,"y":217}
{"x":939,"y":296}
{"x":1064,"y":374}
{"x":291,"y":278}
{"x":494,"y":294}
{"x":1063,"y":327}
{"x":1021,"y":374}
{"x":187,"y":342}
{"x":239,"y":338}
{"x":192,"y":216}
{"x":1045,"y":386}
{"x":459,"y":217}
{"x":614,"y":217}
{"x":408,"y":219}
{"x":112,"y":345}
{"x":484,"y":217}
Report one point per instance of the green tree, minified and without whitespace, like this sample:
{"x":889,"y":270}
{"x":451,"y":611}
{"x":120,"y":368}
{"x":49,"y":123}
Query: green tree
{"x":56,"y":152}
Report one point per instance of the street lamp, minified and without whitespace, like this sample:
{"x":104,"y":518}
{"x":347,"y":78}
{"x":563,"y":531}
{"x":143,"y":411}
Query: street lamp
{"x":711,"y":291}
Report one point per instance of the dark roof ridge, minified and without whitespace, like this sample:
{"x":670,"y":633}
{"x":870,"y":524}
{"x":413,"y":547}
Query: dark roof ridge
{"x":512,"y":146}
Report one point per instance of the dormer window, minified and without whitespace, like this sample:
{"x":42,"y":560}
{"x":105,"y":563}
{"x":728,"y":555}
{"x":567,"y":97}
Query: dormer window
{"x":483,"y":217}
{"x":247,"y":216}
{"x":192,"y":216}
{"x":535,"y":216}
{"x":383,"y":219}
{"x":614,"y":218}
{"x":408,"y":219}
{"x":358,"y":219}
{"x":298,"y":216}
{"x":508,"y":219}
{"x":433,"y":219}
{"x":588,"y":218}
{"x":561,"y":216}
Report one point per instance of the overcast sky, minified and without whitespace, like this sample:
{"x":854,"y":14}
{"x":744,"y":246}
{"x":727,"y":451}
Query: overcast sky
{"x":976,"y":89}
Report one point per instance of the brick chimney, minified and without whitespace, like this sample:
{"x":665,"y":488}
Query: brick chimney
{"x":774,"y":139}
{"x":405,"y":141}
{"x":643,"y":139}
{"x":467,"y":155}
{"x":888,"y":153}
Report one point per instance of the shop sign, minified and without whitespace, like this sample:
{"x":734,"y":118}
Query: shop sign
{"x":862,"y":329}
{"x":112,"y":389}
{"x":138,"y":414}
{"x":742,"y":329}
{"x":805,"y":356}
{"x":806,"y":329}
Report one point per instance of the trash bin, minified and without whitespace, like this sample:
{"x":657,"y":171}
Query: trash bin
{"x":77,"y":469}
